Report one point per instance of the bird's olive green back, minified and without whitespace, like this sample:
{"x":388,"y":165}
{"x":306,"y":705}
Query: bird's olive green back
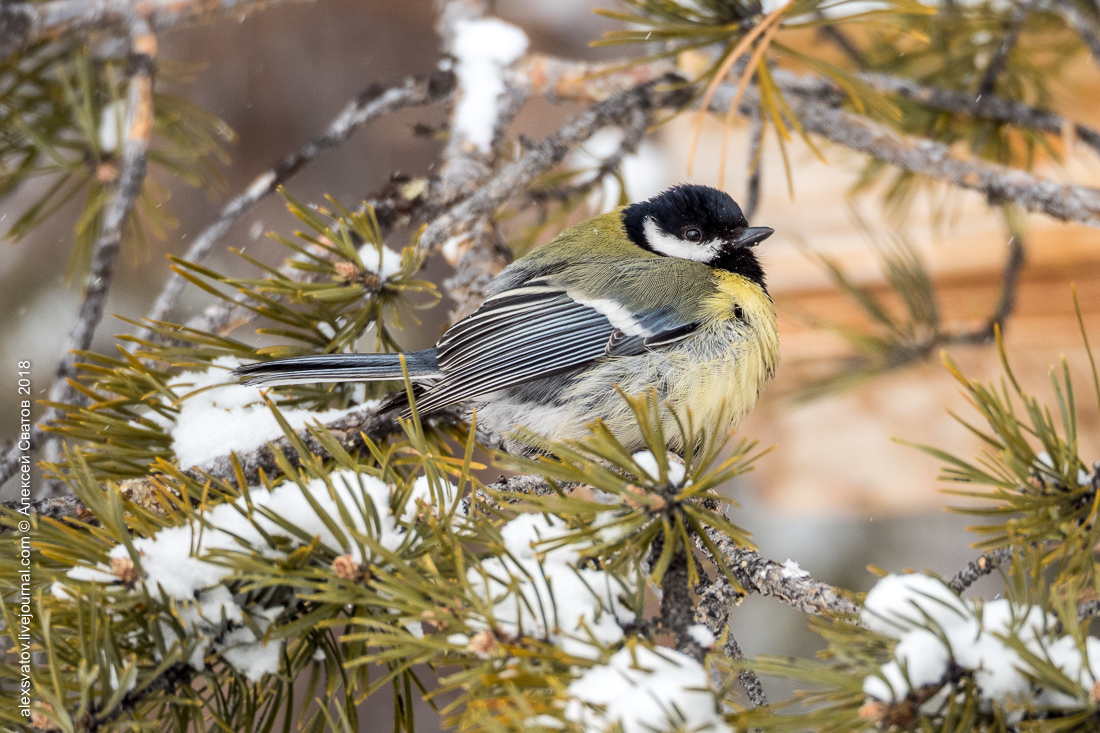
{"x":596,"y":259}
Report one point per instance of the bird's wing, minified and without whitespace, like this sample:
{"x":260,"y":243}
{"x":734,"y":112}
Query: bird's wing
{"x":537,"y":330}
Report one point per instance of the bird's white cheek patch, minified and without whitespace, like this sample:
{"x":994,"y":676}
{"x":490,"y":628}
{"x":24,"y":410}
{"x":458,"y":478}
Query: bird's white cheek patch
{"x":672,"y":246}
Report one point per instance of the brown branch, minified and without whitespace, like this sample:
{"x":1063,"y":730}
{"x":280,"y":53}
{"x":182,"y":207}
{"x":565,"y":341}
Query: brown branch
{"x":372,"y":103}
{"x":980,"y":567}
{"x":25,"y":23}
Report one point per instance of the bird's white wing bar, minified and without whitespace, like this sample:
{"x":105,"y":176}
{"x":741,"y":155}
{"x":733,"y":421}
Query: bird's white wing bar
{"x":534,"y":331}
{"x":672,"y":246}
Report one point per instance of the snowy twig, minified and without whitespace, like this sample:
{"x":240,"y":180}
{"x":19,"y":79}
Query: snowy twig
{"x":24,"y":23}
{"x":980,"y":567}
{"x":757,"y":574}
{"x":349,"y":432}
{"x":372,"y":103}
{"x":514,"y":178}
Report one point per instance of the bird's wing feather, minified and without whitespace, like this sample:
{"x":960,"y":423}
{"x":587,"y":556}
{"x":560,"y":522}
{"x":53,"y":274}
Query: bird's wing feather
{"x":537,"y":330}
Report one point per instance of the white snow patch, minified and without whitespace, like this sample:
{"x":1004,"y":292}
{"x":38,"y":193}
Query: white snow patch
{"x":226,"y":416}
{"x":702,"y":635}
{"x":935,"y":627}
{"x":648,"y":463}
{"x":483,"y":48}
{"x":791,"y":569}
{"x":381,"y":260}
{"x":642,"y":689}
{"x":112,"y":123}
{"x":575,"y":607}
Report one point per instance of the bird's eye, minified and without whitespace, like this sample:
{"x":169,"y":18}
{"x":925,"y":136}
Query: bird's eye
{"x":693,"y":235}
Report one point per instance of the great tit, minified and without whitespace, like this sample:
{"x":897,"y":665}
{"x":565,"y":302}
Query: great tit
{"x":666,"y":293}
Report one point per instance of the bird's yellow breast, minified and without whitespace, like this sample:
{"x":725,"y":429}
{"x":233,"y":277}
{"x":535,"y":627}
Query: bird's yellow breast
{"x":733,"y":357}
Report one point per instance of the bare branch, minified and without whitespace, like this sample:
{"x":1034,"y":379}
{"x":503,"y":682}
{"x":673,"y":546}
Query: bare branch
{"x":757,"y":574}
{"x":999,"y":184}
{"x":24,"y":23}
{"x":677,"y":608}
{"x":983,"y":107}
{"x":980,"y":567}
{"x":371,"y":104}
{"x":754,"y":688}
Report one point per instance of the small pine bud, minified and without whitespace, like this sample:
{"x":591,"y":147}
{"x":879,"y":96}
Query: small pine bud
{"x":40,"y":720}
{"x":124,"y":569}
{"x":873,"y":710}
{"x":482,"y":643}
{"x":653,"y":502}
{"x":347,"y":271}
{"x":430,"y":623}
{"x":106,"y":172}
{"x":143,"y":492}
{"x":346,"y":568}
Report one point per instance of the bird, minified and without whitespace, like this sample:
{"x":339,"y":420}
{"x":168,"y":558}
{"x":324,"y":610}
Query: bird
{"x":665,"y":294}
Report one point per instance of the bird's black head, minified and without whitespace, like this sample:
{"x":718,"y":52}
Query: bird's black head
{"x":697,"y":223}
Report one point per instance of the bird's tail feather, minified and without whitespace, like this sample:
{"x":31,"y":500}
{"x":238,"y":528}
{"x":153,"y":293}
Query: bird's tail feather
{"x":422,"y":366}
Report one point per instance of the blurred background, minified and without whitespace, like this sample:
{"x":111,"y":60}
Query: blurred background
{"x":838,"y":490}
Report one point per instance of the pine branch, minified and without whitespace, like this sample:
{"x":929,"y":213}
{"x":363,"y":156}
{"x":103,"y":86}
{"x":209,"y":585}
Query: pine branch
{"x":1087,"y":30}
{"x":1013,"y":25}
{"x":349,"y":432}
{"x":399,"y":201}
{"x":374,"y":102}
{"x":980,"y":567}
{"x":25,"y":23}
{"x":131,"y":178}
{"x":677,"y":608}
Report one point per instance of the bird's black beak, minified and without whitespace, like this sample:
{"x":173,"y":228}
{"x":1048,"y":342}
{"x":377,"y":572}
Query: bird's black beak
{"x":753,"y":236}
